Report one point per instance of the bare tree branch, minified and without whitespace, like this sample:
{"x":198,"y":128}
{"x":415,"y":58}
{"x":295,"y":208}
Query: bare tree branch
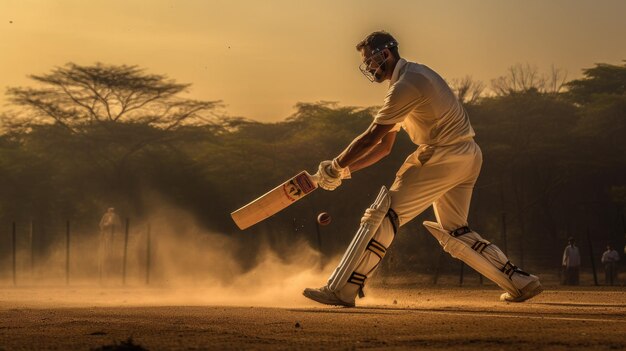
{"x":468,"y":90}
{"x":525,"y":78}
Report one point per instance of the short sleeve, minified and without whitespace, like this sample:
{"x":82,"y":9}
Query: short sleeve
{"x":401,"y":98}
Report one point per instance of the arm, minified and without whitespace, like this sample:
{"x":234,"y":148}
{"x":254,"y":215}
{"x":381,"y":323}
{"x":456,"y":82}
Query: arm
{"x":401,"y":99}
{"x":364,"y":150}
{"x":376,"y":153}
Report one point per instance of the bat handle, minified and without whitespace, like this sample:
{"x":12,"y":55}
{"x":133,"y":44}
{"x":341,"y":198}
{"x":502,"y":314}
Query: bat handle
{"x":315,"y":177}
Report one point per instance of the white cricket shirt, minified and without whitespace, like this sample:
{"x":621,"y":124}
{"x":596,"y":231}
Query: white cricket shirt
{"x":424,"y":105}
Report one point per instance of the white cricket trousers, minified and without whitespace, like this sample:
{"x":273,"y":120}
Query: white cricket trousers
{"x":443,"y":176}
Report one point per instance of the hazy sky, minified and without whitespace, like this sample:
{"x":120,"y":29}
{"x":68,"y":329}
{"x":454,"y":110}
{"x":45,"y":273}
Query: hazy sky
{"x":261,"y":57}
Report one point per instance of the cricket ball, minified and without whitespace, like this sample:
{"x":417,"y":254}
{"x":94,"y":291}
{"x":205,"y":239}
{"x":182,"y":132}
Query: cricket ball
{"x":323,"y":218}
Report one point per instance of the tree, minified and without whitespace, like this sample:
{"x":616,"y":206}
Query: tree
{"x":603,"y":79}
{"x":601,"y":96}
{"x":95,"y":121}
{"x":76,"y":97}
{"x":526,"y":78}
{"x":109,"y":112}
{"x":467,"y":90}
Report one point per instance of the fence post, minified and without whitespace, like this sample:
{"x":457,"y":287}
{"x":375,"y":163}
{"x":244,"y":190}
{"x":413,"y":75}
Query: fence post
{"x":32,"y":249}
{"x":14,"y":245}
{"x":461,"y":275}
{"x":148,"y":249}
{"x":438,"y":267}
{"x":125,"y":253}
{"x":319,"y":243}
{"x":67,"y":253}
{"x":593,"y":263}
{"x":504,"y":233}
{"x":623,"y":222}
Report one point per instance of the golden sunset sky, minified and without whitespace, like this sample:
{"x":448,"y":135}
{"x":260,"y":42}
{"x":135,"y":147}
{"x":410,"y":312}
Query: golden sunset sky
{"x":262,"y":57}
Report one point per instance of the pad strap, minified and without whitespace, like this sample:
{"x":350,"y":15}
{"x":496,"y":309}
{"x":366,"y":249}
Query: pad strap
{"x":480,"y":246}
{"x":365,"y":242}
{"x":358,"y":279}
{"x":460,"y":231}
{"x":510,"y":268}
{"x":377,"y":248}
{"x":395,"y":222}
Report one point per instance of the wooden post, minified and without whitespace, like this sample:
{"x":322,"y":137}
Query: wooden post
{"x":504,"y":233}
{"x":593,"y":262}
{"x":148,"y":251}
{"x":319,"y":243}
{"x":436,"y":277}
{"x":623,"y":226}
{"x":14,"y":245}
{"x":32,"y":249}
{"x":461,"y":275}
{"x":521,"y":244}
{"x":125,"y":253}
{"x":67,"y":253}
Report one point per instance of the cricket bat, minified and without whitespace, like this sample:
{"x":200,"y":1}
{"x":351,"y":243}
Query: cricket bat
{"x":275,"y":200}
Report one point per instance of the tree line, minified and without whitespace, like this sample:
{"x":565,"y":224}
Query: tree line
{"x":85,"y":138}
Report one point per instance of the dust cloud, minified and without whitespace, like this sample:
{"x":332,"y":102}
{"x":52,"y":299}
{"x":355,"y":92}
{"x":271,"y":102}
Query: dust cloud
{"x":170,"y":260}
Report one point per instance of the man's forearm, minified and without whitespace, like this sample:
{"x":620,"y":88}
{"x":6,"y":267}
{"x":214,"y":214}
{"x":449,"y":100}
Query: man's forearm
{"x":363,"y":144}
{"x":374,"y":155}
{"x":358,"y":149}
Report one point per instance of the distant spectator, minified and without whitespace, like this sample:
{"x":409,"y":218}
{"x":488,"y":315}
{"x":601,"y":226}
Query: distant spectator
{"x":110,"y":221}
{"x":609,"y":260}
{"x":571,"y":262}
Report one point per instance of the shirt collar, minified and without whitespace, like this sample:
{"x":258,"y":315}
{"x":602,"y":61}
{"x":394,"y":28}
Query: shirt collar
{"x":396,"y":71}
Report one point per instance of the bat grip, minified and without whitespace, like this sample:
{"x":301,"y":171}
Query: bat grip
{"x":315,"y":177}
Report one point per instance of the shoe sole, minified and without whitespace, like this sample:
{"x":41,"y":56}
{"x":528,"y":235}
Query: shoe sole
{"x":319,"y":299}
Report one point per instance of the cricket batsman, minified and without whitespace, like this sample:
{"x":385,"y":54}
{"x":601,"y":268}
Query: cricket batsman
{"x":442,"y":172}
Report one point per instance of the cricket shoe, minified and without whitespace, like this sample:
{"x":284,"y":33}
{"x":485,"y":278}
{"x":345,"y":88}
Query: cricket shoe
{"x":326,"y":296}
{"x":532,"y":289}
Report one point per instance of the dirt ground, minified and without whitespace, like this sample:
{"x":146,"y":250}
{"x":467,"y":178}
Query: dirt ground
{"x":397,"y":317}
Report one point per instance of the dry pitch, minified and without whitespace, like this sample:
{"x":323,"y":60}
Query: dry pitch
{"x":401,"y":317}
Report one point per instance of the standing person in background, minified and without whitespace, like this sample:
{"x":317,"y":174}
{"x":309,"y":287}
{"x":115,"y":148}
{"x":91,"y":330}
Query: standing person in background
{"x":110,"y":225}
{"x":609,"y":260}
{"x":571,"y":262}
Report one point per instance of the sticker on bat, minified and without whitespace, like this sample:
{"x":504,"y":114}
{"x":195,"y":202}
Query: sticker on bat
{"x":297,"y":187}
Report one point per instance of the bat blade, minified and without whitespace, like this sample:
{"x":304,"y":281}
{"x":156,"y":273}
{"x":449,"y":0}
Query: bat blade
{"x":275,"y":200}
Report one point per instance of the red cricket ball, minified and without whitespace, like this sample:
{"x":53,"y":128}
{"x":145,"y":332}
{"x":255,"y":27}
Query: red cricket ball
{"x":323,"y":218}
